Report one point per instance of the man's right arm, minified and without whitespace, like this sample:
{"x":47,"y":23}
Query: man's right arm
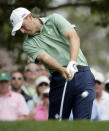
{"x":50,"y":61}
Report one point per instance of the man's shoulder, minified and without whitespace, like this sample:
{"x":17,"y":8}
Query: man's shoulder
{"x":54,"y":16}
{"x":16,"y":95}
{"x":24,"y":86}
{"x":105,"y":95}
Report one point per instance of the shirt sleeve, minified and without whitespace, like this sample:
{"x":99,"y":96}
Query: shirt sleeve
{"x":32,"y":49}
{"x":22,"y":106}
{"x":61,"y":23}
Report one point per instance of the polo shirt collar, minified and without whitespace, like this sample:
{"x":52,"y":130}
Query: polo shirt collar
{"x":43,"y":19}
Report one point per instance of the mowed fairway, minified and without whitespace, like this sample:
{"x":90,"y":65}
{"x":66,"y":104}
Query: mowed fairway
{"x":54,"y":126}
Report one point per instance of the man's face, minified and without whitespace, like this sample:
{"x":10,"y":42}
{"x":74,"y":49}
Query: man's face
{"x":29,"y":25}
{"x":98,"y":87}
{"x":32,"y":71}
{"x":4,"y":85}
{"x":17,"y":80}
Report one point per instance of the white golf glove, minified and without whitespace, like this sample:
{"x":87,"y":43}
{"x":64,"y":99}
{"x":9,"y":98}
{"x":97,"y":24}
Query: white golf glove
{"x":72,"y":68}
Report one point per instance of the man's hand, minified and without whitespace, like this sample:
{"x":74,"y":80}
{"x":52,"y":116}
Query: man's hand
{"x":72,"y":68}
{"x":65,"y":73}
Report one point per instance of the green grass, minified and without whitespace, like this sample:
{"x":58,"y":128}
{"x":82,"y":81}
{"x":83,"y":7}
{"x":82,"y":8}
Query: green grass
{"x":54,"y":126}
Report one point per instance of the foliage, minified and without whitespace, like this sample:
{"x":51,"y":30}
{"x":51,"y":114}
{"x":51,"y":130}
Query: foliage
{"x":40,"y":7}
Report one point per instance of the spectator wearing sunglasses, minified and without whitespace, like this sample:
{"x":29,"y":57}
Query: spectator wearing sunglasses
{"x":31,"y":73}
{"x":17,"y":82}
{"x":102,"y":97}
{"x":42,"y":83}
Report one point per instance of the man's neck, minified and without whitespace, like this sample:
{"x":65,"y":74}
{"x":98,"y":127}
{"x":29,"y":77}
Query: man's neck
{"x":98,"y":96}
{"x":31,"y":83}
{"x":17,"y":89}
{"x":39,"y":25}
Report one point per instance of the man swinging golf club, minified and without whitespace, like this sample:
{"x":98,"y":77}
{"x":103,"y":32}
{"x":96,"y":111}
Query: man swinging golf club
{"x":53,"y":41}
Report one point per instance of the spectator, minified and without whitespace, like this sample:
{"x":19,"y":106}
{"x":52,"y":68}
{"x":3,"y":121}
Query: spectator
{"x":16,"y":84}
{"x":12,"y":104}
{"x":94,"y":115}
{"x":41,"y":112}
{"x":31,"y":72}
{"x":102,"y":97}
{"x":41,"y":83}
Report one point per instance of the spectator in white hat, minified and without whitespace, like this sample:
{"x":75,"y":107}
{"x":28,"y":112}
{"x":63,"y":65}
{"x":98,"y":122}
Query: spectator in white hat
{"x":99,"y":85}
{"x":102,"y":97}
{"x":40,"y":113}
{"x":42,"y":83}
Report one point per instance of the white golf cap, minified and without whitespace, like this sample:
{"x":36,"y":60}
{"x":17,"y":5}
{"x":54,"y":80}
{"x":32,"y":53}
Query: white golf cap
{"x":17,"y":17}
{"x":99,"y":77}
{"x":42,"y":79}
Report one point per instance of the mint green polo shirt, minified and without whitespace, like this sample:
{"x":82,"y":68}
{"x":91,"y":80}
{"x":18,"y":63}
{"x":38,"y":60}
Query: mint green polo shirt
{"x":51,"y":40}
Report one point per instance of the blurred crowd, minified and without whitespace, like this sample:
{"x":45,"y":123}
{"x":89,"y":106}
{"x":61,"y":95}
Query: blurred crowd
{"x":25,"y":95}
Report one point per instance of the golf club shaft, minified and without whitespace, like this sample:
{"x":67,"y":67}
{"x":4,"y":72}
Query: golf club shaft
{"x":62,"y":101}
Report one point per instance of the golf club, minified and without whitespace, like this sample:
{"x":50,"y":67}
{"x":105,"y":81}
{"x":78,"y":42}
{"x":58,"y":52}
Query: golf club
{"x":62,"y":101}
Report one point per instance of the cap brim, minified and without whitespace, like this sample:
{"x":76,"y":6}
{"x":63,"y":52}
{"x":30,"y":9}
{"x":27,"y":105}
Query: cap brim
{"x":4,"y":79}
{"x":16,"y":28}
{"x":41,"y":83}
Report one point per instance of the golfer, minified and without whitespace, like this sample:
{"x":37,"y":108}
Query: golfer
{"x":53,"y":41}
